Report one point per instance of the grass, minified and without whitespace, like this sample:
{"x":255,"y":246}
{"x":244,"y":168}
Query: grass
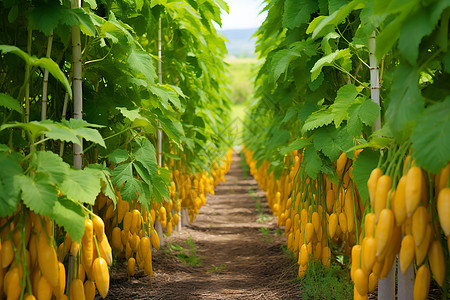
{"x":186,"y":255}
{"x":261,"y":216}
{"x":321,"y":283}
{"x":268,"y":233}
{"x":216,"y":269}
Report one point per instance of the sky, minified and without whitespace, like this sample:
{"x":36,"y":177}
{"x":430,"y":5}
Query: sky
{"x":243,"y":14}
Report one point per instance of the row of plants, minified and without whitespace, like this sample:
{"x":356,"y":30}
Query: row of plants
{"x":348,"y":136}
{"x":133,"y":94}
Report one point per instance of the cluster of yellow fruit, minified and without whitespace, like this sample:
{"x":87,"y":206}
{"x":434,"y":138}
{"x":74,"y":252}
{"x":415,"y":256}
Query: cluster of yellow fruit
{"x":31,"y":267}
{"x":315,"y":213}
{"x":404,"y":222}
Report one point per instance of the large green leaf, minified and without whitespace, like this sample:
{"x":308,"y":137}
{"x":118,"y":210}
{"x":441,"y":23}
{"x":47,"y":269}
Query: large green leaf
{"x":312,"y":162}
{"x":297,"y":12}
{"x":10,"y":172}
{"x":82,"y":186}
{"x":325,"y":140}
{"x":340,"y":57}
{"x":14,"y":50}
{"x":345,"y":97}
{"x":53,"y":68}
{"x":38,"y":193}
{"x":405,"y":102}
{"x":49,"y":163}
{"x":295,"y":145}
{"x":317,"y":119}
{"x":142,"y":63}
{"x":430,"y":138}
{"x":10,"y":103}
{"x":70,"y":215}
{"x":367,"y":161}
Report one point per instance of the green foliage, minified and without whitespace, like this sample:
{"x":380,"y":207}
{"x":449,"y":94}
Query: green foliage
{"x":320,"y":283}
{"x":188,"y":256}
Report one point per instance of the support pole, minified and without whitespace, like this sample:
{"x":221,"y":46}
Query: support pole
{"x":406,"y":284}
{"x":158,"y":226}
{"x":386,"y":287}
{"x":45,"y":84}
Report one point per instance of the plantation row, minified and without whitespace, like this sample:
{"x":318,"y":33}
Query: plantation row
{"x":349,"y":138}
{"x":122,"y":76}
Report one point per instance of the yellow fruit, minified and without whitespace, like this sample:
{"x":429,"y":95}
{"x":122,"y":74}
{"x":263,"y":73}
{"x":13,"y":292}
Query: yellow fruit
{"x":437,"y":261}
{"x":59,"y":289}
{"x":383,"y":231}
{"x":7,"y":253}
{"x":413,"y":189}
{"x":309,"y":231}
{"x":361,"y":281}
{"x":302,"y":270}
{"x":422,"y":283}
{"x":356,"y":260}
{"x":419,"y":222}
{"x":44,"y":291}
{"x":87,"y":249}
{"x":398,"y":203}
{"x":387,"y":265}
{"x":77,"y":290}
{"x":303,"y":257}
{"x":407,"y":252}
{"x":89,"y":290}
{"x":116,"y":238}
{"x":368,"y":253}
{"x":373,"y":282}
{"x":154,"y":239}
{"x":369,"y":224}
{"x":332,"y":225}
{"x":443,"y":208}
{"x":330,"y":200}
{"x":326,"y":257}
{"x":384,"y":185}
{"x":131,"y":266}
{"x":372,"y":184}
{"x":422,"y":250}
{"x":48,"y":261}
{"x":101,"y":276}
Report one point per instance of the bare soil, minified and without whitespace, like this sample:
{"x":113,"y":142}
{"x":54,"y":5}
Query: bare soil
{"x":239,"y":260}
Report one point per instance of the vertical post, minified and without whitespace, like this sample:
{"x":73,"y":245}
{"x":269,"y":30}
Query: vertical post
{"x":77,"y":86}
{"x":45,"y":84}
{"x":386,"y":287}
{"x":28,"y":79}
{"x":158,"y":226}
{"x":406,"y":284}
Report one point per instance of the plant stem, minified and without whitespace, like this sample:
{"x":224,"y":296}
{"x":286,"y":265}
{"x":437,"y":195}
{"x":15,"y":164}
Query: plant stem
{"x":45,"y":85}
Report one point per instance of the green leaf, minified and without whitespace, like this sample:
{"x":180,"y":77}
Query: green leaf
{"x":80,"y":18}
{"x":365,"y":112}
{"x":133,"y":115}
{"x":57,"y":131}
{"x":13,"y":13}
{"x":92,"y":3}
{"x":10,"y":103}
{"x":49,"y":163}
{"x":405,"y":102}
{"x":118,"y":156}
{"x":53,"y":68}
{"x":330,"y":60}
{"x":328,"y":23}
{"x":346,"y":95}
{"x":366,"y":161}
{"x":325,"y":141}
{"x":14,"y":50}
{"x":418,"y":25}
{"x":9,"y":191}
{"x":122,"y":173}
{"x":82,"y":186}
{"x":312,"y":162}
{"x":281,"y":61}
{"x":70,"y":215}
{"x":46,"y":17}
{"x":160,"y":186}
{"x":142,"y":63}
{"x":297,"y":13}
{"x":376,"y":142}
{"x":317,"y":119}
{"x":165,"y":94}
{"x":430,"y":138}
{"x":105,"y":176}
{"x":131,"y":189}
{"x":38,"y":193}
{"x":81,"y":128}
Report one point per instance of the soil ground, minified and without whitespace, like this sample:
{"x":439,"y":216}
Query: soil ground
{"x":237,"y":243}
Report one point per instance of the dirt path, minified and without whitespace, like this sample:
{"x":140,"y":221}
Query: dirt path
{"x":239,"y":260}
